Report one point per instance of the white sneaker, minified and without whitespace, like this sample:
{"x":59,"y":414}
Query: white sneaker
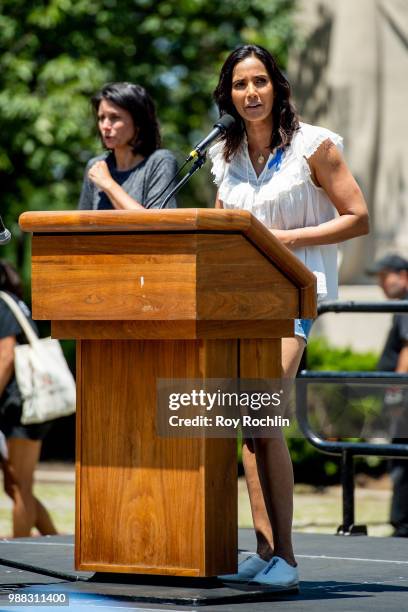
{"x":247,"y":569}
{"x":278,"y":575}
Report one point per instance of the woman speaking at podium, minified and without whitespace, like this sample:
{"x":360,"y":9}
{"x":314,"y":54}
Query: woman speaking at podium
{"x":133,"y":172}
{"x":293,"y":178}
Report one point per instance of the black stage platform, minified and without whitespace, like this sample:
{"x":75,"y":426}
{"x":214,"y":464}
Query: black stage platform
{"x":344,"y":574}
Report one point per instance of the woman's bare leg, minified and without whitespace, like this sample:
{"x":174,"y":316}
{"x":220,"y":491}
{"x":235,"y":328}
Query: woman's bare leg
{"x":272,"y":500}
{"x":260,"y":519}
{"x":27,"y":509}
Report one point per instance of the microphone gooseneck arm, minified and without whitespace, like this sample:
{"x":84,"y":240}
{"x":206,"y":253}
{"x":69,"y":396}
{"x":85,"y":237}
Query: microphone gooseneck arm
{"x":223,"y":125}
{"x":199,"y":162}
{"x":198,"y":154}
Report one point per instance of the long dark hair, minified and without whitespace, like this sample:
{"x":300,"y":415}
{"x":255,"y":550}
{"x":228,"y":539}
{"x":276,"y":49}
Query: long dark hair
{"x":285,"y":119}
{"x":136,"y":100}
{"x":10,"y":280}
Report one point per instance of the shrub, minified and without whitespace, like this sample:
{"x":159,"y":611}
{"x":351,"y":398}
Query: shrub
{"x":310,"y":465}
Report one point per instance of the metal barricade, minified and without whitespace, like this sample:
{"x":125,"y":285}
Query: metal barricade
{"x":347,"y":450}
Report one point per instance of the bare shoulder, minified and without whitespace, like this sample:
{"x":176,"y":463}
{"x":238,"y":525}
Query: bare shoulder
{"x":327,"y":155}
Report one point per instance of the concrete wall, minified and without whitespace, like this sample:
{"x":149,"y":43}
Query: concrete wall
{"x":359,"y":331}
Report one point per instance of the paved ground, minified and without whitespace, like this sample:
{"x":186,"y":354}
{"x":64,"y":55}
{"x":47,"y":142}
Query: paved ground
{"x":337,"y":574}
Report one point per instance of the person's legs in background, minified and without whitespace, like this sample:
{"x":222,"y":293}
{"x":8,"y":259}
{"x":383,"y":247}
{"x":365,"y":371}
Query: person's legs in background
{"x":28,"y":511}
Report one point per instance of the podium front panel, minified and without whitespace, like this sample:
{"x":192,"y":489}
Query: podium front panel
{"x":147,"y":504}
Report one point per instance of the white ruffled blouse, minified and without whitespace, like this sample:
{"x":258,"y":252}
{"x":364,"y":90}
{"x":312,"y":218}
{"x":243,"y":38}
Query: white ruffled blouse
{"x":284,"y":197}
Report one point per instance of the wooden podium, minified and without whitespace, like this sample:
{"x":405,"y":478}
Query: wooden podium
{"x":191,"y":293}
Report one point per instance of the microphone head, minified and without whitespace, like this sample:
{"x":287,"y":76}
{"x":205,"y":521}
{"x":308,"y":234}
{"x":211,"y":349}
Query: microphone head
{"x":5,"y":236}
{"x":225,"y":122}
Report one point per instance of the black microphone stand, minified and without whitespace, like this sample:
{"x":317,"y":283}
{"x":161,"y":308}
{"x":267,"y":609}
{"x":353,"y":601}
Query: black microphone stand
{"x":199,"y":162}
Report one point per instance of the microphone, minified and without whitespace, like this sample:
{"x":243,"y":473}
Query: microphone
{"x":223,"y":124}
{"x":5,"y":235}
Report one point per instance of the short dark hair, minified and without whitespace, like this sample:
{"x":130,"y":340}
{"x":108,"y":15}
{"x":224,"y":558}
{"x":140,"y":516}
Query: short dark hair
{"x":135,"y":99}
{"x":285,"y":119}
{"x":392,"y":262}
{"x":9,"y":279}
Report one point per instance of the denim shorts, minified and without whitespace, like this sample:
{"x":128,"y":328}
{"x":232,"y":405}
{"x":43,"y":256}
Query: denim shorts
{"x":303,"y":327}
{"x":10,"y":424}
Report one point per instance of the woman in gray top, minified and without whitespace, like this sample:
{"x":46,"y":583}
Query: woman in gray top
{"x":133,"y":172}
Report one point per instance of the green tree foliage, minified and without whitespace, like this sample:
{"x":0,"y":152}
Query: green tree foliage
{"x":55,"y":53}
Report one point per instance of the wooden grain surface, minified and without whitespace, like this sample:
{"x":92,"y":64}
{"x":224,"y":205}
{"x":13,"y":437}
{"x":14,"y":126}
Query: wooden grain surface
{"x":78,"y":446}
{"x":157,"y":277}
{"x":147,"y":504}
{"x":142,"y":277}
{"x":219,"y":359}
{"x":236,"y":281}
{"x":260,"y":358}
{"x":170,"y":330}
{"x":287,"y":264}
{"x":182,"y":220}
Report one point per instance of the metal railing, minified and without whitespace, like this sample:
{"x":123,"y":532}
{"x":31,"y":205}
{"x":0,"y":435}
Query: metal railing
{"x":347,"y":450}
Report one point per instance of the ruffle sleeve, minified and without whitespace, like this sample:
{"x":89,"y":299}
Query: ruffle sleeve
{"x":314,"y":135}
{"x":218,"y":163}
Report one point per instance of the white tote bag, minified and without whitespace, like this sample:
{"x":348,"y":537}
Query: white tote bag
{"x":45,"y":381}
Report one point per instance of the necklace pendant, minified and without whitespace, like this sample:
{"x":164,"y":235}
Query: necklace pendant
{"x":260,"y":159}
